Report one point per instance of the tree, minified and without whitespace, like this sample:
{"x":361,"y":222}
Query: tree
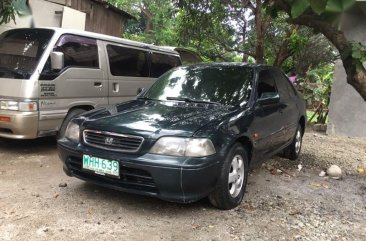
{"x":221,"y":29}
{"x":9,"y":9}
{"x":321,"y":15}
{"x":156,"y":22}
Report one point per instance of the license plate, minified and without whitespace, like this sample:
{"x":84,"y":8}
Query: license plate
{"x":101,"y":166}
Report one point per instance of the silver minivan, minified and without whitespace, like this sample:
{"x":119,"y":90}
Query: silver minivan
{"x":49,"y":75}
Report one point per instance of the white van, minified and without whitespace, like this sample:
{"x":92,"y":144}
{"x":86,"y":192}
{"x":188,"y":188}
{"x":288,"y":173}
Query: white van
{"x":49,"y":75}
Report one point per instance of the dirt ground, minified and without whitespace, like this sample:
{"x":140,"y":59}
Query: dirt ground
{"x":281,"y":203}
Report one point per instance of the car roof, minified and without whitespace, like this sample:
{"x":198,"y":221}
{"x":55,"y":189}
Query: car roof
{"x":108,"y":38}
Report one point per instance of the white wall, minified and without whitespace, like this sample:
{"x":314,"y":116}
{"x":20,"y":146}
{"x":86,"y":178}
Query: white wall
{"x":347,"y":110}
{"x":44,"y":15}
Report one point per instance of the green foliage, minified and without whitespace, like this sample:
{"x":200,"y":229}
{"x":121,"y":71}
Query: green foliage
{"x":297,"y":41}
{"x":317,"y":84}
{"x":318,"y":6}
{"x":339,"y":6}
{"x":9,"y":9}
{"x":163,"y":19}
{"x":358,"y":55}
{"x":299,"y":7}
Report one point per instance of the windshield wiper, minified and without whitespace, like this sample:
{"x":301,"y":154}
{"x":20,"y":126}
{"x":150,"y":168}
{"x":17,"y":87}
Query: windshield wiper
{"x":185,"y":99}
{"x":145,"y":98}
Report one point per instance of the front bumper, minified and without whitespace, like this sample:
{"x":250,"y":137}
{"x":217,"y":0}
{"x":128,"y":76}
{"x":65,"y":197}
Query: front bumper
{"x":173,"y":179}
{"x":22,"y":125}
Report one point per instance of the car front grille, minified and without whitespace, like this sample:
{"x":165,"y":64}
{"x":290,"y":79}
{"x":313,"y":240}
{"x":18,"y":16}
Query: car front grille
{"x":130,"y":178}
{"x":112,"y":141}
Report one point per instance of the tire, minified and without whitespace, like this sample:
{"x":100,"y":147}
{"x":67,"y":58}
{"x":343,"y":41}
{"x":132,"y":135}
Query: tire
{"x":72,"y":113}
{"x":292,"y":152}
{"x":227,"y":195}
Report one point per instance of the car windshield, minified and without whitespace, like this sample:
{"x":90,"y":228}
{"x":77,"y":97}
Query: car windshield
{"x":20,"y":51}
{"x":224,"y":84}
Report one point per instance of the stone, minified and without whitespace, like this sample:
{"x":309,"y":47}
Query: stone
{"x":63,"y":184}
{"x":322,"y":174}
{"x":334,"y":172}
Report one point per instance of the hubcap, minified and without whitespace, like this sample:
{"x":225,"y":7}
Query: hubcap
{"x":298,"y":142}
{"x":236,"y":176}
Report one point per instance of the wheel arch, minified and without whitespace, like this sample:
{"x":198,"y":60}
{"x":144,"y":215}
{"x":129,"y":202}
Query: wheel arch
{"x":246,"y":142}
{"x":84,"y":107}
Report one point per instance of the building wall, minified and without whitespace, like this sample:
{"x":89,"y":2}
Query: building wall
{"x":99,"y":19}
{"x":44,"y":13}
{"x":347,"y":110}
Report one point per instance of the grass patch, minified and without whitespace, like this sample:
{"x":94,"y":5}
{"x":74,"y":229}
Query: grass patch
{"x":310,"y":113}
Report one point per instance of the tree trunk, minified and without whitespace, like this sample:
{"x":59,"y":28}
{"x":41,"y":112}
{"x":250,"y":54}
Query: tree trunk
{"x":356,"y":76}
{"x":149,"y":18}
{"x":259,"y":48}
{"x":284,"y":51}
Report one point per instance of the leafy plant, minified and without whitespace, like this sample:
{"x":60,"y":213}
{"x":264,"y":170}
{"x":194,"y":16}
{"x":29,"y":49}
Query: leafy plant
{"x":9,"y":9}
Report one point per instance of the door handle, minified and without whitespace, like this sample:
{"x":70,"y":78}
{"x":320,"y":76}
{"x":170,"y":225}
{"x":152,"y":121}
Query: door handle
{"x":115,"y":87}
{"x":98,"y":84}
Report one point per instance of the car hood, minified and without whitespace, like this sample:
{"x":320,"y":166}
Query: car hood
{"x":153,"y":119}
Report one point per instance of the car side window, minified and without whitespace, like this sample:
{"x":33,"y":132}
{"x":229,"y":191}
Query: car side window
{"x":284,"y":86}
{"x":161,"y":63}
{"x":78,"y":51}
{"x":266,"y":85}
{"x":125,"y":61}
{"x":281,"y":84}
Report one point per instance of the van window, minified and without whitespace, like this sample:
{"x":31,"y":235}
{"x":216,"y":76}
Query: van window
{"x":127,"y":62}
{"x":78,"y":51}
{"x":161,"y":63}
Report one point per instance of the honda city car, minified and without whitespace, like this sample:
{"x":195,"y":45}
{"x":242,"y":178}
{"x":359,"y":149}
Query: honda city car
{"x":193,"y":134}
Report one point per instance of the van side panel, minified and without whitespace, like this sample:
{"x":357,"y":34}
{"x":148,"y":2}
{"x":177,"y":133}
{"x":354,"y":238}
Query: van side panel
{"x":73,"y":88}
{"x":122,"y":87}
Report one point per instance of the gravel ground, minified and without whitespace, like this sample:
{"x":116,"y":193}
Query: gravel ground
{"x":281,"y":203}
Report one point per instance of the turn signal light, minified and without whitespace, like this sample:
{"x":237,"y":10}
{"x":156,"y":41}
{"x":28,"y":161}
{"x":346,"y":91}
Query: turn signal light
{"x":4,"y":119}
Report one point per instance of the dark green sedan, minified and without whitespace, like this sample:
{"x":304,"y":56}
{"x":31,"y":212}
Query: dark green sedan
{"x":194,"y":133}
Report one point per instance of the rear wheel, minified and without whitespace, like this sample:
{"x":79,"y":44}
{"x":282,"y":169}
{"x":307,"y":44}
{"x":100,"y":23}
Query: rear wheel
{"x":231,"y":185}
{"x":292,"y":152}
{"x":72,"y":113}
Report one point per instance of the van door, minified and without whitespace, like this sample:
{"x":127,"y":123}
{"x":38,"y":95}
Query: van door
{"x":128,"y":71}
{"x":81,"y":83}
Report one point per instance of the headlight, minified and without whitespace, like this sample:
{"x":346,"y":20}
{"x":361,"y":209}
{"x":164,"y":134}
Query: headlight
{"x":18,"y":106}
{"x":72,"y":132}
{"x":190,"y":147}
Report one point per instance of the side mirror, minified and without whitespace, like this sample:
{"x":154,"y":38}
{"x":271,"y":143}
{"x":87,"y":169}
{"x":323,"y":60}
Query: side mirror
{"x":140,"y":91}
{"x":57,"y":60}
{"x":269,"y":98}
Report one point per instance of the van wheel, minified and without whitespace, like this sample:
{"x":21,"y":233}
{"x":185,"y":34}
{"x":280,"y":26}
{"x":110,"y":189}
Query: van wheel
{"x":72,"y":113}
{"x":292,"y":152}
{"x":232,"y":182}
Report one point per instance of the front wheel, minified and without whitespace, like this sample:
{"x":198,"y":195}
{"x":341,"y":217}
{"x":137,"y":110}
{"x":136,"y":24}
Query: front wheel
{"x":231,"y":185}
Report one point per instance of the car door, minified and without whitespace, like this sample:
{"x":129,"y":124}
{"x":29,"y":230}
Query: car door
{"x":288,"y":106}
{"x":266,"y":124}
